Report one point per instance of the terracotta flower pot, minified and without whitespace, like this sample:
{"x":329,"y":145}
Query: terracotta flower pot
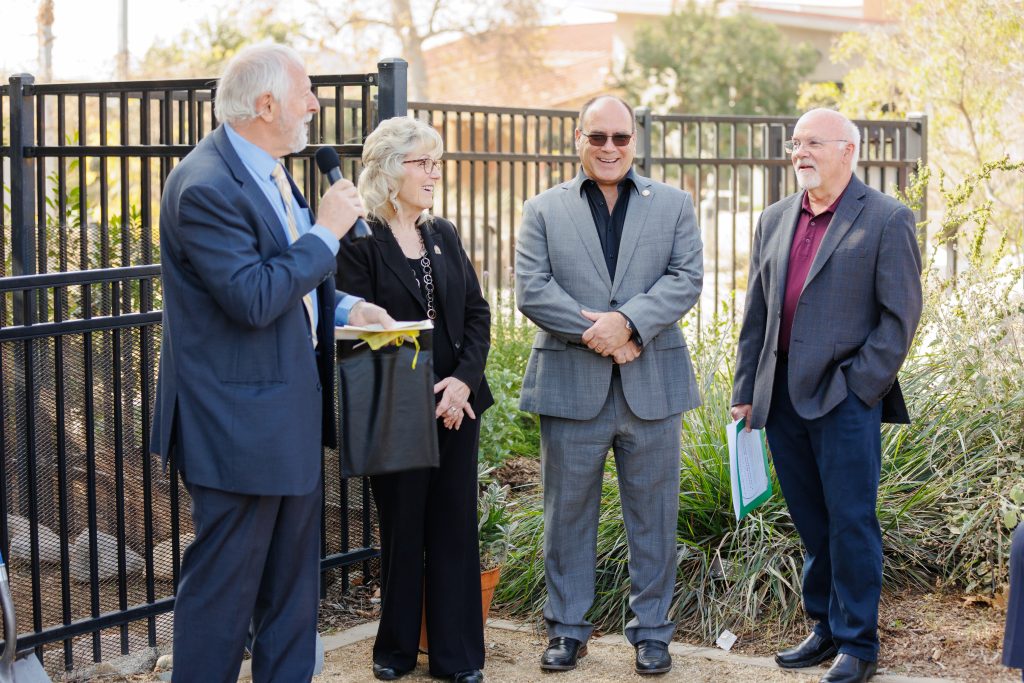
{"x":488,"y":582}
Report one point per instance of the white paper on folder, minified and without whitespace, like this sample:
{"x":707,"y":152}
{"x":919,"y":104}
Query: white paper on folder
{"x":353,"y":331}
{"x":748,"y":468}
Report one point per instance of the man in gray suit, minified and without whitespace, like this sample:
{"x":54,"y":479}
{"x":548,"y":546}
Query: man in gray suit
{"x":832,"y":306}
{"x":606,"y":265}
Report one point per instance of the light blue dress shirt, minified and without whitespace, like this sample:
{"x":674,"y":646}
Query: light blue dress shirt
{"x":260,"y":165}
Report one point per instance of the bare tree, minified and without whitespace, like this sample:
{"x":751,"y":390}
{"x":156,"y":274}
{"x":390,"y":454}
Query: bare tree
{"x":352,"y":22}
{"x":44,"y":37}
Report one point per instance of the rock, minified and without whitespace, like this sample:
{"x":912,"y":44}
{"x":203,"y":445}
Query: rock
{"x":49,"y":545}
{"x":16,"y":524}
{"x":164,"y":663}
{"x":106,"y":557}
{"x":163,"y":557}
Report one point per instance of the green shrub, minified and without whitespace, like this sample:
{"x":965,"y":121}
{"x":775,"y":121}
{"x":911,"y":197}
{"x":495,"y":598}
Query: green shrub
{"x":506,"y":431}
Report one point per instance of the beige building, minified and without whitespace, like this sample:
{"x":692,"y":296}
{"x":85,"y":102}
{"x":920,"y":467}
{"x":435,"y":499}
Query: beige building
{"x":572,"y":63}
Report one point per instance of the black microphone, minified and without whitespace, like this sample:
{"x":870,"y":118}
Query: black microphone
{"x":330,"y":165}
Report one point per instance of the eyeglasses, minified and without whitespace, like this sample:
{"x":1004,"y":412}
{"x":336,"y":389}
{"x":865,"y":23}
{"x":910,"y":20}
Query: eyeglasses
{"x":428,"y":165}
{"x":811,"y":145}
{"x":601,"y":139}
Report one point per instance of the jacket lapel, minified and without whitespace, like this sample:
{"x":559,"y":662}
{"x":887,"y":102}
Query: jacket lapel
{"x":787,"y":228}
{"x":249,"y":186}
{"x":579,"y":212}
{"x":846,"y":213}
{"x":435,"y":252}
{"x":636,"y":219}
{"x":394,"y":259}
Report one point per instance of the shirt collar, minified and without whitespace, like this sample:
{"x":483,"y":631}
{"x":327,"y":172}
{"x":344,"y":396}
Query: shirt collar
{"x":255,"y":158}
{"x":628,"y":181}
{"x":805,"y":203}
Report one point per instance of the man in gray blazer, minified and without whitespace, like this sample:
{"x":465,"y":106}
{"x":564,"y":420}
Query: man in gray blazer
{"x":606,"y":265}
{"x":832,"y":306}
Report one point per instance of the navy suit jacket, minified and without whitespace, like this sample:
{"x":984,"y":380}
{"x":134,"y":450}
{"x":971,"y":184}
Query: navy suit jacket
{"x":243,"y":403}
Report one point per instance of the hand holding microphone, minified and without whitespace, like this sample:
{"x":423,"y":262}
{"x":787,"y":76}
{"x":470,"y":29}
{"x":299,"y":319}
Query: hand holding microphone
{"x":340,"y":207}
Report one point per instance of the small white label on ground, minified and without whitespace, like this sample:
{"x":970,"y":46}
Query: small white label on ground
{"x":726,"y":640}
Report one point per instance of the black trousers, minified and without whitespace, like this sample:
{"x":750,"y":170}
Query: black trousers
{"x":428,"y":530}
{"x":254,"y":558}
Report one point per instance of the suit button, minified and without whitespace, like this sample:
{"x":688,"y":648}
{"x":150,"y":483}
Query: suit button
{"x":318,"y":387}
{"x":775,"y":353}
{"x":458,"y":345}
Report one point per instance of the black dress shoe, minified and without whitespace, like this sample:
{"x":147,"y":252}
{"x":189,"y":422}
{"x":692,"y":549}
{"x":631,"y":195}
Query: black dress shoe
{"x":813,"y":650}
{"x":562,"y":654}
{"x":386,"y":673}
{"x":472,"y":676}
{"x":849,"y":669}
{"x":652,"y":657}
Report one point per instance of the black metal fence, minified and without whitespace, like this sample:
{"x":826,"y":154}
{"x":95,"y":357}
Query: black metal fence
{"x":94,"y":528}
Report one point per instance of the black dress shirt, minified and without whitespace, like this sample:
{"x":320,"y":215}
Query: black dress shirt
{"x":609,"y":225}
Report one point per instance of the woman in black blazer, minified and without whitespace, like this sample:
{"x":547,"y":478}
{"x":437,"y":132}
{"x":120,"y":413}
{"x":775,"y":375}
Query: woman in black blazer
{"x":414,"y":266}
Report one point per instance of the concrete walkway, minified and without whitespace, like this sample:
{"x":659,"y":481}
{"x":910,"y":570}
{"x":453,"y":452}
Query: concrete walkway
{"x":513,"y":651}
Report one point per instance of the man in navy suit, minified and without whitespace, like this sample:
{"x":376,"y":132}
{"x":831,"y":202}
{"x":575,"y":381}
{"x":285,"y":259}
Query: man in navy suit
{"x":244,"y":398}
{"x":832,"y":306}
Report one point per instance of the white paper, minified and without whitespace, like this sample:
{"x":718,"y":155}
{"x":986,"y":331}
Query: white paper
{"x":726,"y":640}
{"x":748,"y":472}
{"x":353,"y":331}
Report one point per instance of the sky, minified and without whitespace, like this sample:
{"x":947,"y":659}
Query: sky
{"x":85,"y":32}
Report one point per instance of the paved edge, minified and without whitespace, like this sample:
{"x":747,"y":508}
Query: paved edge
{"x":369,"y":630}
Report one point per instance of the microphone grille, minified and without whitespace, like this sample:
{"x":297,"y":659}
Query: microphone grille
{"x":326,"y":159}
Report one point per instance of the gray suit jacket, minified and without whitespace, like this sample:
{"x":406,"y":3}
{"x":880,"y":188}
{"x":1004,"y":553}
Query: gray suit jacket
{"x":857,"y":314}
{"x":560,"y":270}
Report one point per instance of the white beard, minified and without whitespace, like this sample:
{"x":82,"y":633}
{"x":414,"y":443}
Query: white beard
{"x":808,"y":179}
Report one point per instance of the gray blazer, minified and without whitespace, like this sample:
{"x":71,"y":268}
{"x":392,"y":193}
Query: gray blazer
{"x":857,"y":314}
{"x":560,"y":270}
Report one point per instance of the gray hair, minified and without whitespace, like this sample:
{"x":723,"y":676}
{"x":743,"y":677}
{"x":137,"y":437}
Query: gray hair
{"x":383,"y":153}
{"x":594,"y":100}
{"x":852,"y":133}
{"x":255,"y":70}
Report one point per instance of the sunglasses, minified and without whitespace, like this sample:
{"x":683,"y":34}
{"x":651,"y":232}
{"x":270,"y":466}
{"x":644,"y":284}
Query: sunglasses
{"x":601,"y":139}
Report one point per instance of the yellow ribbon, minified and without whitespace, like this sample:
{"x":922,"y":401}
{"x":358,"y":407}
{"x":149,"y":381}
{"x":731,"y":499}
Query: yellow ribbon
{"x":377,"y":340}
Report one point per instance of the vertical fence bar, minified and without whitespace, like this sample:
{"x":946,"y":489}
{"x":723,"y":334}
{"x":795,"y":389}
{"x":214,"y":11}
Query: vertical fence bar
{"x":23,"y":195}
{"x":645,"y":132}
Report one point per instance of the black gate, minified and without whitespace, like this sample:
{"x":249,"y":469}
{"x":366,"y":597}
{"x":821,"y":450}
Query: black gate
{"x":94,"y":527}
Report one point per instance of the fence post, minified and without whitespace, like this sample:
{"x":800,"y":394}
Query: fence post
{"x":392,"y":88}
{"x":645,"y":132}
{"x":776,"y":174}
{"x":917,"y":149}
{"x":23,"y":190}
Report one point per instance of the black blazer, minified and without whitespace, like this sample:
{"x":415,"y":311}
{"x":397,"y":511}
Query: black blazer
{"x":377,"y":270}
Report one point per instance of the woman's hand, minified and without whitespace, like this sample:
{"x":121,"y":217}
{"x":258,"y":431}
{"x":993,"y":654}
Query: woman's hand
{"x":454,"y":403}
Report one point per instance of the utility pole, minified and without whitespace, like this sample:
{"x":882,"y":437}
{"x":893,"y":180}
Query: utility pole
{"x":44,"y":39}
{"x":122,"y":40}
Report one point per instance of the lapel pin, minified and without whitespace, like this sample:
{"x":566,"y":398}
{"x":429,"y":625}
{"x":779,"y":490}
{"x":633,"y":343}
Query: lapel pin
{"x":437,"y":250}
{"x":646,"y":193}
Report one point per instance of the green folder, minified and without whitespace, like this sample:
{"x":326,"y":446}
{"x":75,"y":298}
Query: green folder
{"x":748,"y":468}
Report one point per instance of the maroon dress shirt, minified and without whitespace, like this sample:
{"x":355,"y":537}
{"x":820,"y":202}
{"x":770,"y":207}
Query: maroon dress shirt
{"x":810,"y":230}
